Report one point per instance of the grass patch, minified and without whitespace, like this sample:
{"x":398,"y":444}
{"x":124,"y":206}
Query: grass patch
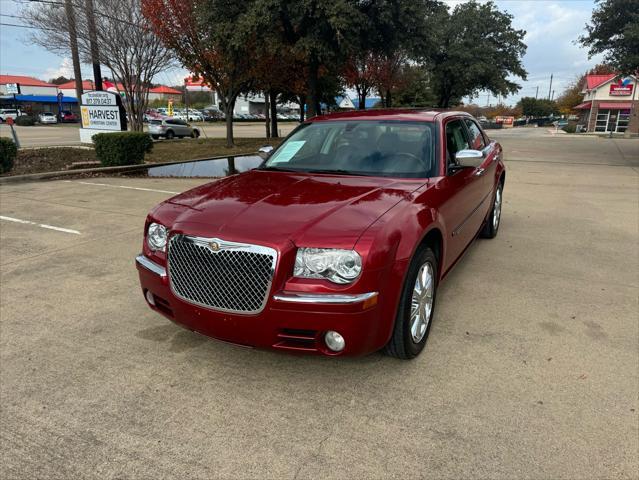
{"x":190,"y":149}
{"x":39,"y":160}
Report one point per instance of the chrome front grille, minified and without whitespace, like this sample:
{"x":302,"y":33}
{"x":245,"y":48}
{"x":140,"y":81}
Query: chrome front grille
{"x":221,"y":275}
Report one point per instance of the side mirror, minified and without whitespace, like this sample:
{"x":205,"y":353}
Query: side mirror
{"x":265,"y":151}
{"x":469,"y":158}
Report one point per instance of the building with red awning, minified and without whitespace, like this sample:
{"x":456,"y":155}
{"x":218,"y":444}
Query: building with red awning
{"x":610,"y":104}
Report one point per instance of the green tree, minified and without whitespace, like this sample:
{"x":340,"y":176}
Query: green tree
{"x":477,"y":49}
{"x":321,"y":33}
{"x":534,"y":107}
{"x":415,"y":90}
{"x":614,"y":31}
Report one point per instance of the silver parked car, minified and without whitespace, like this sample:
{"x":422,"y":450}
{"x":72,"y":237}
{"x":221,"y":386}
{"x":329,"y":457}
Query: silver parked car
{"x":172,"y":127}
{"x":47,"y":117}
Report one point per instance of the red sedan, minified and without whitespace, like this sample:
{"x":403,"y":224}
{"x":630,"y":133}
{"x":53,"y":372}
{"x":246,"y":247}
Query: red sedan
{"x":336,"y":244}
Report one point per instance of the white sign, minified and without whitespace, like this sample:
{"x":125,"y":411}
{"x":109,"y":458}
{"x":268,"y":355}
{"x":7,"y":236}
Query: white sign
{"x":101,"y":117}
{"x":12,"y":88}
{"x":99,"y":98}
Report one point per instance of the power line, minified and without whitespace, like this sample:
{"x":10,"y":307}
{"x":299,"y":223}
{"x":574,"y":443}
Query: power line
{"x":27,"y":26}
{"x":61,"y":4}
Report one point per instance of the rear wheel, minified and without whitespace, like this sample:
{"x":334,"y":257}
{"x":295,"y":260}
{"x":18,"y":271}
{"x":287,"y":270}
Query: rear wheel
{"x":494,"y":217}
{"x":155,"y":137}
{"x":169,"y":135}
{"x":416,"y":307}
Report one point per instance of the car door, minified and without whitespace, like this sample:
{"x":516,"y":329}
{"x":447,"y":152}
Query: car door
{"x":466,"y":196}
{"x":488,"y":169}
{"x":183,"y":127}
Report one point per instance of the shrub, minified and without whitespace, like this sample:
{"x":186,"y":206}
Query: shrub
{"x":8,"y":152}
{"x":25,"y":121}
{"x":122,"y":148}
{"x":570,"y":128}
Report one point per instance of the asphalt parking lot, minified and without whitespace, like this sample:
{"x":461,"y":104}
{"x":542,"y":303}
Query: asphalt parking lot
{"x":530,"y":371}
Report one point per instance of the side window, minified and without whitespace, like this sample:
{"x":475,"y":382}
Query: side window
{"x":455,"y":139}
{"x":476,"y":138}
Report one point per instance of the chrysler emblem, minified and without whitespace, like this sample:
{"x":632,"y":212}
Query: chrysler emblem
{"x":214,"y":246}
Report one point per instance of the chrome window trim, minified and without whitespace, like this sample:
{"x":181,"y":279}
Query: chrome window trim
{"x":150,"y":265}
{"x":324,"y":298}
{"x":224,"y":245}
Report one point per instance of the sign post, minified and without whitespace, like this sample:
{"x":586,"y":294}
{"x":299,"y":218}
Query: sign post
{"x":101,"y":112}
{"x":13,"y":132}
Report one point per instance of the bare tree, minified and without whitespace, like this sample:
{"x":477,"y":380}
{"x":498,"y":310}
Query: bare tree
{"x":126,"y":44}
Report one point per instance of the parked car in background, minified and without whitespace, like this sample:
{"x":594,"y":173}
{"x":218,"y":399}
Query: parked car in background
{"x":337,"y":243}
{"x":67,"y":116}
{"x":47,"y":117}
{"x":172,"y":127}
{"x":6,"y":113}
{"x":195,"y":116}
{"x":213,"y":115}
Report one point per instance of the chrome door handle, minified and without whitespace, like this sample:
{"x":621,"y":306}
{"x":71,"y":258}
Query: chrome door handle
{"x":479,"y":172}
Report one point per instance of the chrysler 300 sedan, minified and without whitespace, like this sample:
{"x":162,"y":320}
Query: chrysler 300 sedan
{"x":337,"y":243}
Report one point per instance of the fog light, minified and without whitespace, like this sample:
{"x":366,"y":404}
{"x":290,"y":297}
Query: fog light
{"x":334,"y":341}
{"x":149,"y":297}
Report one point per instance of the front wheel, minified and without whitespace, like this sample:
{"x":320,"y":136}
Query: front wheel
{"x":494,"y":217}
{"x":416,"y":307}
{"x":169,"y":135}
{"x":195,"y":134}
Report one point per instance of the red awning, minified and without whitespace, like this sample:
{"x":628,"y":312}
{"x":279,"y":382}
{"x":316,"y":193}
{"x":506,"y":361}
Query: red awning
{"x":616,"y":105}
{"x":584,"y":106}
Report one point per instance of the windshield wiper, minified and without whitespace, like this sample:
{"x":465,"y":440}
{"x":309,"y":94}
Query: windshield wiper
{"x":339,"y":172}
{"x":277,"y":169}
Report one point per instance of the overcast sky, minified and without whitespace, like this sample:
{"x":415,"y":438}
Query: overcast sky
{"x":551,"y":25}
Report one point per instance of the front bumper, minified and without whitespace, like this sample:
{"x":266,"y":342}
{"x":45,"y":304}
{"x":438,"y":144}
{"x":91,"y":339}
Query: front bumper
{"x":293,"y":321}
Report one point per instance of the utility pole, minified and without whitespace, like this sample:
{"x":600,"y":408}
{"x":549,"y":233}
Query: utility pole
{"x":73,"y":43}
{"x":553,"y":95}
{"x":488,"y":100}
{"x":550,"y":88}
{"x":537,"y":92}
{"x":93,"y":41}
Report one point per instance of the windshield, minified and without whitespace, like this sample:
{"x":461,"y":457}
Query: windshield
{"x":375,"y":148}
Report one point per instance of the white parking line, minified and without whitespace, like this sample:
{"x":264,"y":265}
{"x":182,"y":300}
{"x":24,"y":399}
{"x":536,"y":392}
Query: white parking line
{"x":123,"y":186}
{"x":41,"y":225}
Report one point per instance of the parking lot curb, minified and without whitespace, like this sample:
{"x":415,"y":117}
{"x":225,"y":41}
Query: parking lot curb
{"x":32,"y":177}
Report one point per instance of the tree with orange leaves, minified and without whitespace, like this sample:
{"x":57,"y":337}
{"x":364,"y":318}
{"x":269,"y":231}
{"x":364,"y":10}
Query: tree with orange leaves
{"x":208,"y":38}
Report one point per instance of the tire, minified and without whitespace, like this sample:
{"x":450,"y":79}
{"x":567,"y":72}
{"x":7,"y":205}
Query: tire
{"x":195,"y":134}
{"x":491,"y":225}
{"x":155,"y":137}
{"x":407,"y":342}
{"x":169,"y":135}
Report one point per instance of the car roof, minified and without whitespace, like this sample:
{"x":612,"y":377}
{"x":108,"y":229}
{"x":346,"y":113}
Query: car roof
{"x":399,"y":114}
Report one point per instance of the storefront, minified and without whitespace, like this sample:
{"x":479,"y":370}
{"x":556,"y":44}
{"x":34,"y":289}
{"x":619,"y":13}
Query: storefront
{"x":610,"y":104}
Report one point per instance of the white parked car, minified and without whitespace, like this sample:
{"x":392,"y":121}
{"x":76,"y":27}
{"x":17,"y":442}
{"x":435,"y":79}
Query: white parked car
{"x":195,"y":117}
{"x":47,"y":117}
{"x":9,"y":113}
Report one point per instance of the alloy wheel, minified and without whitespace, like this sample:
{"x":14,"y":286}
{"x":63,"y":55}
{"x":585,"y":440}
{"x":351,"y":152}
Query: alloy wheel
{"x":497,"y":209}
{"x":422,"y":302}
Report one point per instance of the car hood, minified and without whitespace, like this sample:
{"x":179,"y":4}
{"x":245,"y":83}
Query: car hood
{"x":277,"y":207}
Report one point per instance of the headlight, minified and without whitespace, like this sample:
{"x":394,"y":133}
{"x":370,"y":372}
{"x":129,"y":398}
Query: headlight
{"x":338,"y":266}
{"x":156,"y":236}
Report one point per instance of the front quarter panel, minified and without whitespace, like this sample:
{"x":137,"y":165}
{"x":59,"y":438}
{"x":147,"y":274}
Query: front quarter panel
{"x":390,"y":244}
